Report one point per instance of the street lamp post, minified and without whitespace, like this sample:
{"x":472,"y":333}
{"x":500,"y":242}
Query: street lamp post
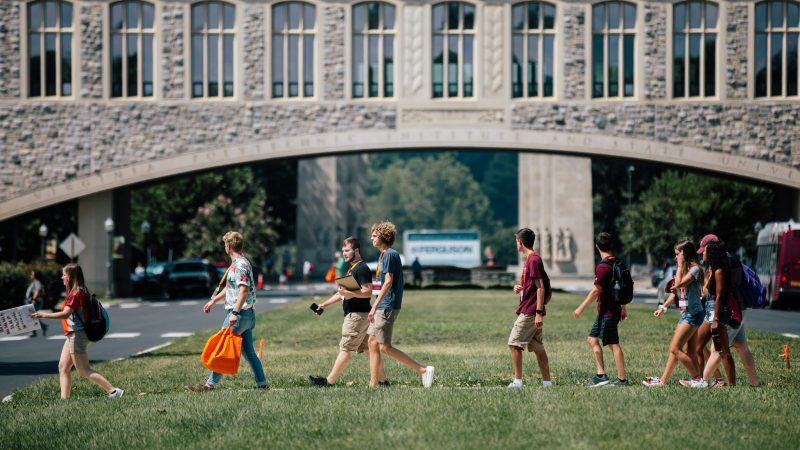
{"x":42,"y":236}
{"x":109,"y":226}
{"x":145,"y":233}
{"x":630,"y":200}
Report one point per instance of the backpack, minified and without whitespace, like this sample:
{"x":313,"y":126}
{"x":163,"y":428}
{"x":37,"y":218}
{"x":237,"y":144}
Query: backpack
{"x":747,"y":286}
{"x":621,"y":282}
{"x":97,"y":321}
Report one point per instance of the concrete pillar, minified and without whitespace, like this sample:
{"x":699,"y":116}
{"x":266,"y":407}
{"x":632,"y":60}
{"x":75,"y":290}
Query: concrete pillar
{"x":331,"y":205}
{"x":92,"y":213}
{"x":555,"y":200}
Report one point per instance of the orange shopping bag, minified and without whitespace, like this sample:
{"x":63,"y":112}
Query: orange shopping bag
{"x":223,"y":352}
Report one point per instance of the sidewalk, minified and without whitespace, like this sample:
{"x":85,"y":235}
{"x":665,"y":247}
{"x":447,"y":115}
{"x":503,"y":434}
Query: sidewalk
{"x":582,"y":286}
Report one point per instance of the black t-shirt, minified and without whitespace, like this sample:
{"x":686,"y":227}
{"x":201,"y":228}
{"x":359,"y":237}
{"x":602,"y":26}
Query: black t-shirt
{"x":363,"y":275}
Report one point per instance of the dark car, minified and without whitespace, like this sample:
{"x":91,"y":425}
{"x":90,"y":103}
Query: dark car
{"x":149,"y":282}
{"x":190,"y":277}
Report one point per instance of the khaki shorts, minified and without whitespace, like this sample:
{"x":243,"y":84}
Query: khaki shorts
{"x":525,"y":335}
{"x":77,"y":342}
{"x":383,"y":325}
{"x":354,"y":332}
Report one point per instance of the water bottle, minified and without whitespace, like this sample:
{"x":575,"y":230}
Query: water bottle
{"x":716,"y":339}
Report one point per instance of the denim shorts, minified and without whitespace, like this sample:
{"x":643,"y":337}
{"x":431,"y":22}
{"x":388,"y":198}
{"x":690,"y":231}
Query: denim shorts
{"x":693,"y":319}
{"x":709,"y":311}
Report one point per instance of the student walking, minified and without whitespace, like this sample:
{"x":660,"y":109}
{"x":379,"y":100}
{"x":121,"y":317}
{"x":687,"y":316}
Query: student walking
{"x":239,"y":296}
{"x":35,"y":296}
{"x":384,"y":311}
{"x":75,"y":351}
{"x":688,"y":286}
{"x":534,"y":291}
{"x":356,"y":308}
{"x":609,"y":315}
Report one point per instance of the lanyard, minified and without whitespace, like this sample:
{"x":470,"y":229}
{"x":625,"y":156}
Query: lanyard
{"x":708,"y":280}
{"x":350,"y":270}
{"x":378,"y":271}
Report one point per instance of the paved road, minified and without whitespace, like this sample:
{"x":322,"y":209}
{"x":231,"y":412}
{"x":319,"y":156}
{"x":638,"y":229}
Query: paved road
{"x":137,"y":327}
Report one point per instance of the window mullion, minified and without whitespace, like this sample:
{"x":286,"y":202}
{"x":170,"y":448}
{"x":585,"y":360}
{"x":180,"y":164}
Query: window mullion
{"x":139,"y":63}
{"x":124,"y":39}
{"x":42,"y":72}
{"x":221,"y":64}
{"x":286,"y":80}
{"x":769,"y":64}
{"x":606,"y":81}
{"x":784,"y":53}
{"x":301,"y":79}
{"x":380,"y":65}
{"x":461,"y":66}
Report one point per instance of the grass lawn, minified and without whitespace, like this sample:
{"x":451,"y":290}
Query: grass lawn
{"x":463,"y":334}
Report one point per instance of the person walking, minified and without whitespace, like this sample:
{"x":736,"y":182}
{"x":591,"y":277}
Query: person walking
{"x":384,"y":311}
{"x":355,"y":304}
{"x":609,"y":315}
{"x":35,"y":295}
{"x":75,"y":351}
{"x":239,"y":296}
{"x":534,"y":291}
{"x":416,"y":269}
{"x":688,"y":286}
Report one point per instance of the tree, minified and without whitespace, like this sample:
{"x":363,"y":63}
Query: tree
{"x":689,"y":205}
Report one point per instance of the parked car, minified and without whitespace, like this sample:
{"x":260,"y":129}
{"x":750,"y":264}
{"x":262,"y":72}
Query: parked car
{"x":669,"y":273}
{"x":150,"y":283}
{"x":190,"y":277}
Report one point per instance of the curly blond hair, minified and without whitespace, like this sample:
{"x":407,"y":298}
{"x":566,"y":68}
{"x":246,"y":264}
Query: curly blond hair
{"x":386,"y":231}
{"x":235,"y":240}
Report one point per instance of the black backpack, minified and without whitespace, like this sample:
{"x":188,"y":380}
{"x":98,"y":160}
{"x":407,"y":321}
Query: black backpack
{"x":621,"y":281}
{"x":97,"y":322}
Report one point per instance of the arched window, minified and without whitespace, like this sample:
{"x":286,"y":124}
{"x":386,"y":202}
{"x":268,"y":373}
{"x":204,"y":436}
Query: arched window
{"x":293,"y":30}
{"x":453,"y":49}
{"x":532,"y":53}
{"x":213,"y":38}
{"x":49,"y":48}
{"x":694,"y":48}
{"x":613,"y":49}
{"x":132,"y":31}
{"x":775,"y":48}
{"x":373,"y":49}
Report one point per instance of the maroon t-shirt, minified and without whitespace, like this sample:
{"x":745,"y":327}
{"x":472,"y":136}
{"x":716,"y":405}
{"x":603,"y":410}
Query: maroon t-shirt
{"x":533,"y":269}
{"x":606,"y":306}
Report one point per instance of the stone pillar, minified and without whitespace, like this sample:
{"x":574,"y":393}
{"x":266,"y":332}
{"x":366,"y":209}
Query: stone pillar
{"x":92,"y":213}
{"x":331,"y":196}
{"x":555,"y":200}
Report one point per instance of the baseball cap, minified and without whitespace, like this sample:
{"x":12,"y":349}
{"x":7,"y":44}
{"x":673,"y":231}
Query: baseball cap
{"x":668,"y":287}
{"x":705,"y":241}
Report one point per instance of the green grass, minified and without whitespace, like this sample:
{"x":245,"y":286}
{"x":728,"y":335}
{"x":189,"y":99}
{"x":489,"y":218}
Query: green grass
{"x":462,"y":333}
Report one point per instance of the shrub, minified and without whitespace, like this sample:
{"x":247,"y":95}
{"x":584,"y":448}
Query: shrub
{"x":15,"y":278}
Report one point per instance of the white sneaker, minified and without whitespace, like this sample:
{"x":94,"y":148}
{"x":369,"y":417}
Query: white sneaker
{"x":427,"y":379}
{"x":514,"y":385}
{"x":116,"y":394}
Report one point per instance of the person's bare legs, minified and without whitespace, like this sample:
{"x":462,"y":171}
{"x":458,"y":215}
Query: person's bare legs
{"x":619,"y":360}
{"x":725,"y":356}
{"x":703,"y":337}
{"x":597,"y":352}
{"x":65,"y":371}
{"x":544,"y":363}
{"x":516,"y":361}
{"x":748,"y":361}
{"x":402,"y":358}
{"x":338,"y":366}
{"x":81,"y":361}
{"x":376,"y":370}
{"x":682,"y":334}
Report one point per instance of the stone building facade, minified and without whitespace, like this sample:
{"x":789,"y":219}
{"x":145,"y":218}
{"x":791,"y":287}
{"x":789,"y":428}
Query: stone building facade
{"x":50,"y":143}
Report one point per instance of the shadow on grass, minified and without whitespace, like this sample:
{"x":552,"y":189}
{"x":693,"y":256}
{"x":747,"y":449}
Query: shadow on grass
{"x":34,"y":368}
{"x":160,"y":354}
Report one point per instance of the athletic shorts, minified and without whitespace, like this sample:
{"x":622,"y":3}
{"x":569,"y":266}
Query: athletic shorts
{"x":605,"y":328}
{"x":383,"y":325}
{"x":354,"y":332}
{"x":77,"y":342}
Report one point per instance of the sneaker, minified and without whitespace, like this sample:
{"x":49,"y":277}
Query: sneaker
{"x":598,"y":381}
{"x":200,"y":387}
{"x":318,"y":381}
{"x":718,"y":383}
{"x":701,"y":383}
{"x":653,"y":381}
{"x":264,"y":387}
{"x":618,"y":383}
{"x":116,"y":394}
{"x":427,"y":379}
{"x":384,"y":383}
{"x":514,"y":385}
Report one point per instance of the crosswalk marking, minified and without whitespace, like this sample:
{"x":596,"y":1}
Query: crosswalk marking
{"x":13,"y":338}
{"x":278,"y":301}
{"x":189,"y":303}
{"x":176,"y":334}
{"x":122,"y":335}
{"x":129,"y":305}
{"x":159,"y":304}
{"x":58,"y":337}
{"x":790,"y":335}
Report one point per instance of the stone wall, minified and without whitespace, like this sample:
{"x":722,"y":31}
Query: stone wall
{"x":91,"y":51}
{"x":172,"y":49}
{"x":9,"y":49}
{"x":332,"y":45}
{"x":736,"y":50}
{"x":655,"y":51}
{"x":253,"y":54}
{"x":574,"y":44}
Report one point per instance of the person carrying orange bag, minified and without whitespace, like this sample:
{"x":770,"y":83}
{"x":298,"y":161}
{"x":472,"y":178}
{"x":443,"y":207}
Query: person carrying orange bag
{"x":239,"y":296}
{"x":223,"y":352}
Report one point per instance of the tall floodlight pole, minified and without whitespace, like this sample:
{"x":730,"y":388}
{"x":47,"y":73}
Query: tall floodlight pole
{"x":42,"y":236}
{"x":109,"y":226}
{"x":630,"y":200}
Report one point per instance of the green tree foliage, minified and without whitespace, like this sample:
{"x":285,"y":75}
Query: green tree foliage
{"x":500,"y":184}
{"x":689,"y":205}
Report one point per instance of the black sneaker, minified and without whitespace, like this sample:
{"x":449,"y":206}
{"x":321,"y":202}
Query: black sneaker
{"x":384,"y":383}
{"x":318,"y":381}
{"x":598,"y":381}
{"x":264,"y":387}
{"x":618,"y":383}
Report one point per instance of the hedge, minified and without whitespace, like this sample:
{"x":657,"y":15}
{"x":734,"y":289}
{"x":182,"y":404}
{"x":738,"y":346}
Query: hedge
{"x":15,"y":278}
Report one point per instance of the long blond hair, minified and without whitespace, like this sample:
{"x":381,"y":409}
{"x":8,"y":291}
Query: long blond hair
{"x":75,"y":280}
{"x":687,"y":247}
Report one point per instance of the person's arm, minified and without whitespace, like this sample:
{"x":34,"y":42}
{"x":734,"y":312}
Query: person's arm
{"x":364,"y":292}
{"x":215,"y":298}
{"x":589,"y":298}
{"x":684,"y":280}
{"x":244,"y":290}
{"x":53,"y":315}
{"x":719,"y":282}
{"x":333,"y":299}
{"x":387,"y":284}
{"x":661,"y":309}
{"x":538,"y":321}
